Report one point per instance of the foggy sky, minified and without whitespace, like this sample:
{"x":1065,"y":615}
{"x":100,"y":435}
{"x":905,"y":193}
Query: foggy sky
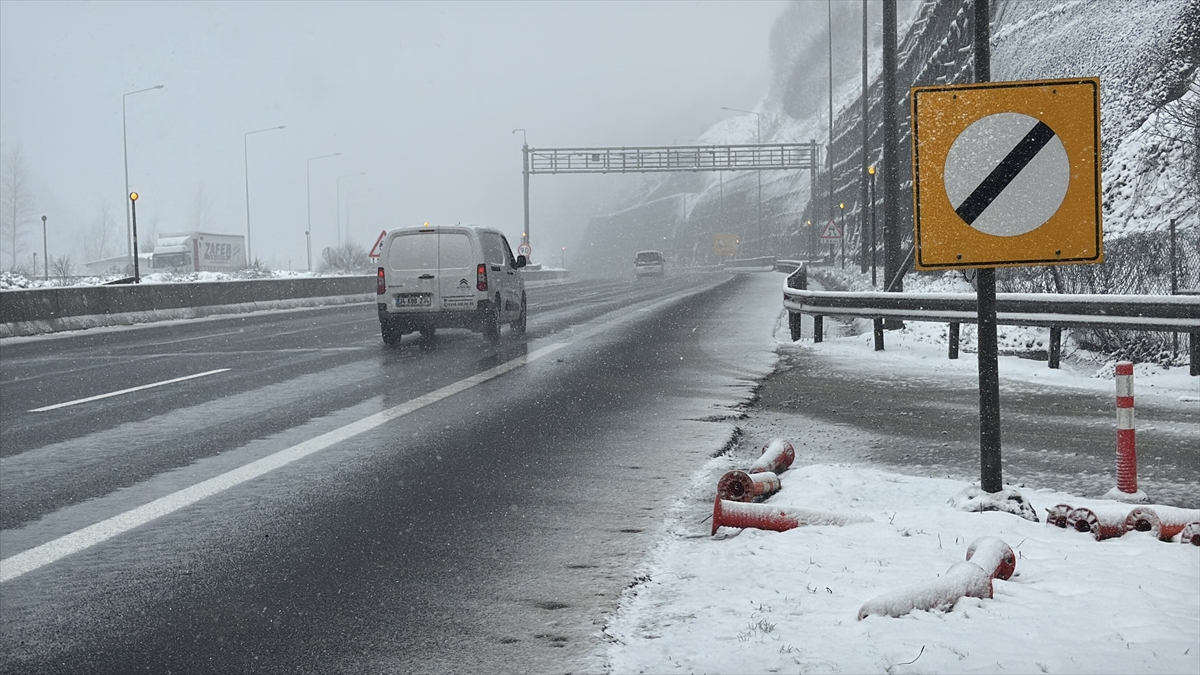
{"x":422,"y":97}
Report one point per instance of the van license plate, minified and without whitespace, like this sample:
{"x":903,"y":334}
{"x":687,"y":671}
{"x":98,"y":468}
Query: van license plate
{"x":414,"y":300}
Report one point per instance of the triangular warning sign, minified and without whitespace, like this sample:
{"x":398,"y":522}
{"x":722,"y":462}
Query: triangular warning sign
{"x":377,"y":249}
{"x":831,"y":231}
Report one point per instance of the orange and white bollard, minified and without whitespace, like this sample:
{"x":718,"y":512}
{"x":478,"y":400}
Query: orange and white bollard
{"x":776,"y":457}
{"x":777,"y":518}
{"x":739,"y":486}
{"x":1127,"y":485}
{"x":1164,"y":522}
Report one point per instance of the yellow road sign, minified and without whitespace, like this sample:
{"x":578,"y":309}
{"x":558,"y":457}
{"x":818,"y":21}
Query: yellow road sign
{"x":726,"y":244}
{"x":1007,"y":174}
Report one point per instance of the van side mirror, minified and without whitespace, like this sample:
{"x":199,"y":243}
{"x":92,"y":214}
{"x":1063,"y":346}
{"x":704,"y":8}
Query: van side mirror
{"x":521,"y":261}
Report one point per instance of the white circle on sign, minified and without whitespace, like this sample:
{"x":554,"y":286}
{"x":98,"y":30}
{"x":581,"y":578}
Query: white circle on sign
{"x":524,"y":250}
{"x":1021,"y":195}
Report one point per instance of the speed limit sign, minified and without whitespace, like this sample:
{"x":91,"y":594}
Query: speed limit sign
{"x":524,"y":250}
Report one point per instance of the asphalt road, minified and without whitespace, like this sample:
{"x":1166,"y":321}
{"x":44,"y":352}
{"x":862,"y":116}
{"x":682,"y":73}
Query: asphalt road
{"x":467,"y":507}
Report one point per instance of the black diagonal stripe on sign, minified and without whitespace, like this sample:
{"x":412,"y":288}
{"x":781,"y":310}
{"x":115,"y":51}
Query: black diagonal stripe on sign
{"x":1005,"y":172}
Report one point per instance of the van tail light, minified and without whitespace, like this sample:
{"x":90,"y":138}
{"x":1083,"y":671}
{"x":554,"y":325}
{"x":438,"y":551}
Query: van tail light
{"x":481,"y":277}
{"x":380,"y":284}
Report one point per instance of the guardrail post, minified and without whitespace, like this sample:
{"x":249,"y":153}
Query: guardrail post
{"x":818,"y":326}
{"x":954,"y":340}
{"x":1055,"y":346}
{"x":797,"y":280}
{"x":878,"y":335}
{"x":1194,"y":348}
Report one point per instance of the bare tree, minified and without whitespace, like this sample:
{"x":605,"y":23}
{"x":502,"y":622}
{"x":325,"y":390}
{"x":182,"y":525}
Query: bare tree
{"x":202,"y":205}
{"x":16,"y":202}
{"x":102,"y":236}
{"x":63,"y":269}
{"x":348,"y":258}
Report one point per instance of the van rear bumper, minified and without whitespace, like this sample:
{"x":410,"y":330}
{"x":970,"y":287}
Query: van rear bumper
{"x":407,"y":321}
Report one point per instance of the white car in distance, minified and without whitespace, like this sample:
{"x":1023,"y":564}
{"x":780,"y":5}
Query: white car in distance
{"x":649,"y":263}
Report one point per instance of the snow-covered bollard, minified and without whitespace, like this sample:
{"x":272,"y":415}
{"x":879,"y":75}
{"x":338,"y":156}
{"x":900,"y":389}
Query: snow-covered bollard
{"x":1127,"y":487}
{"x":1190,"y":534}
{"x":1057,"y":515}
{"x":777,"y":518}
{"x":1102,"y":523}
{"x":1164,"y":522}
{"x":988,"y":558}
{"x":776,"y":457}
{"x":739,"y":486}
{"x":994,"y":556}
{"x":962,"y":580}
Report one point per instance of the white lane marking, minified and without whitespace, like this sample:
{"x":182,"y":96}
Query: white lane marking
{"x":27,"y":561}
{"x":127,"y":391}
{"x":69,"y":544}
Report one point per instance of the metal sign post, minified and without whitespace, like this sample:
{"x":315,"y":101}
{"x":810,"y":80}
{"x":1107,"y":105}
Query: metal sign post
{"x":1004,"y":174}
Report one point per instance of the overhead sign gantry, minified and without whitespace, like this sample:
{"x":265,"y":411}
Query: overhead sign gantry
{"x":660,"y":159}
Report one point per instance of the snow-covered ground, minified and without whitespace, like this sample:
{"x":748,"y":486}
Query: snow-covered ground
{"x":755,"y":601}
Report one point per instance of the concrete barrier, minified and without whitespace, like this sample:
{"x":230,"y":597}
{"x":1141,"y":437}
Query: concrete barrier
{"x":32,"y":311}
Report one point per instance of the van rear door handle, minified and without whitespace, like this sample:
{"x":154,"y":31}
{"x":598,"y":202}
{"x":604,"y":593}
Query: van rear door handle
{"x":425,"y":276}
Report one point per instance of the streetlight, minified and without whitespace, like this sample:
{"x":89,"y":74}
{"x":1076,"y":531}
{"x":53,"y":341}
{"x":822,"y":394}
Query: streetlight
{"x":308,"y":187}
{"x":339,"y":203}
{"x":246,"y":161}
{"x":871,"y":173}
{"x":842,"y":206}
{"x":133,"y":197}
{"x":757,"y":139}
{"x":125,"y":144}
{"x":564,"y":257}
{"x":525,"y":178}
{"x":45,"y":260}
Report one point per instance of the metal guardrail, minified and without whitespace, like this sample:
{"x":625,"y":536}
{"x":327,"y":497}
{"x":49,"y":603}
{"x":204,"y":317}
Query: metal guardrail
{"x":1168,"y":313}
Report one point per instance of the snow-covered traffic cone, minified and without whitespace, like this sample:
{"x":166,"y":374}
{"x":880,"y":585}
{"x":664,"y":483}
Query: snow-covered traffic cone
{"x":1164,"y":522}
{"x":1057,"y":515}
{"x":739,"y":486}
{"x":994,"y":556}
{"x":1190,"y":534}
{"x":1101,"y":523}
{"x":964,"y":579}
{"x":776,"y":457}
{"x":988,"y":558}
{"x":777,"y":518}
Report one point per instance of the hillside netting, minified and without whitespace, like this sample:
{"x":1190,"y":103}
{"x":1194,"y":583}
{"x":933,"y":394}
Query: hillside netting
{"x":1136,"y":264}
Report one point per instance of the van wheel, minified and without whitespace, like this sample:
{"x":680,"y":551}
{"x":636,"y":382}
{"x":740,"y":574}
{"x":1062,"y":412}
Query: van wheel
{"x":391,"y":333}
{"x":491,"y":327}
{"x":518,"y":326}
{"x":428,"y":332}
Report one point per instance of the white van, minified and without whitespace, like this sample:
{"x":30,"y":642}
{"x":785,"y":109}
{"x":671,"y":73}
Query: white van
{"x":449,"y":276}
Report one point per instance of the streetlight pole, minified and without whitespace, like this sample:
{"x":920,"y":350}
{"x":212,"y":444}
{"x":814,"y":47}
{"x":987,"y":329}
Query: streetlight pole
{"x":46,"y":260}
{"x":246,"y":162}
{"x":758,"y":140}
{"x":525,"y":178}
{"x":339,"y":202}
{"x":862,"y":210}
{"x":125,"y":145}
{"x":829,"y":9}
{"x":308,"y":190}
{"x":133,"y":197}
{"x":874,"y":255}
{"x":842,"y":206}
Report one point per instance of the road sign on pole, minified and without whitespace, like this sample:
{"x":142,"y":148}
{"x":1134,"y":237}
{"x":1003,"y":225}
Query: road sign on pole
{"x":1007,"y":174}
{"x":831,"y":231}
{"x":726,"y":244}
{"x":377,"y":248}
{"x":524,"y":250}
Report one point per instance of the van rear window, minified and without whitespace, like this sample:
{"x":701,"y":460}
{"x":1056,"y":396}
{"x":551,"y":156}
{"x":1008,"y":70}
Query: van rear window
{"x":421,"y":251}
